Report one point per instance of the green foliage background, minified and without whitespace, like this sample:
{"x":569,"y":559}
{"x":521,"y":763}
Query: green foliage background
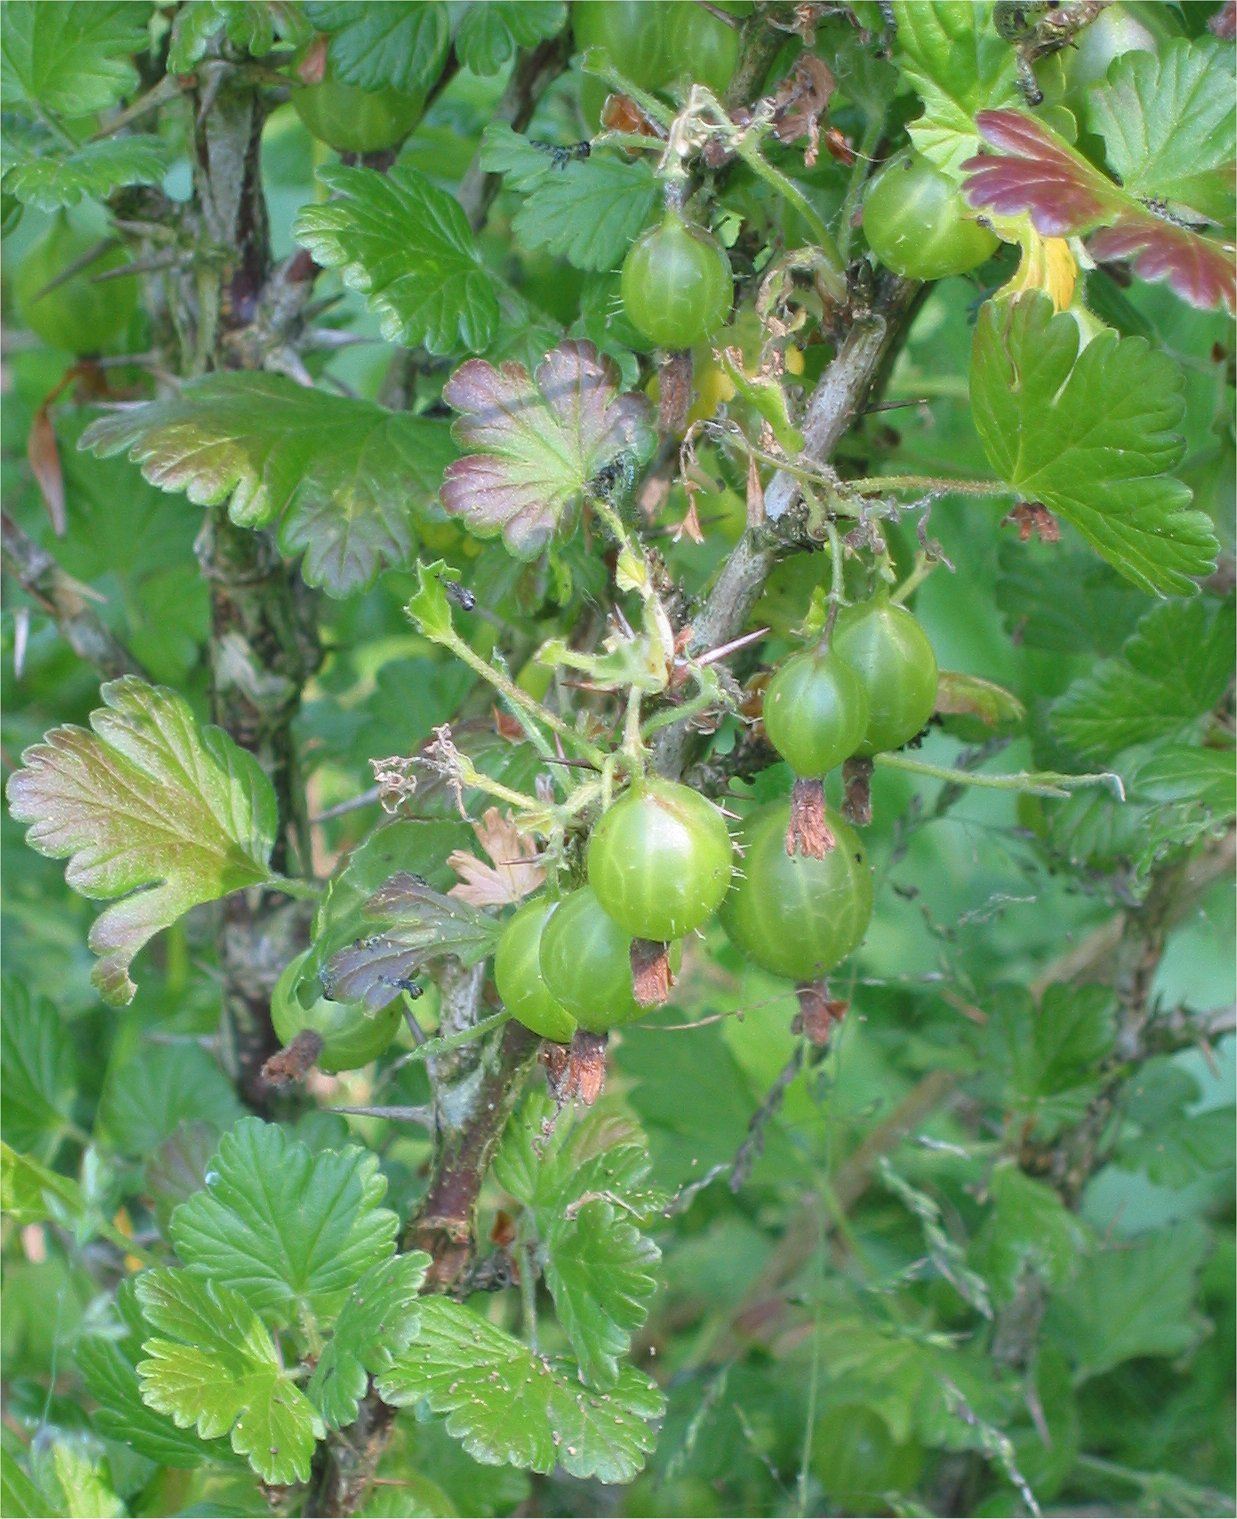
{"x":895,"y":1310}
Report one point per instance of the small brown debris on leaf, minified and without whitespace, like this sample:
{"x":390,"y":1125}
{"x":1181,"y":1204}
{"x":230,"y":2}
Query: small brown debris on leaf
{"x":1034,"y":520}
{"x":295,"y":1061}
{"x":819,"y":1013}
{"x":801,"y":100}
{"x":576,"y":1072}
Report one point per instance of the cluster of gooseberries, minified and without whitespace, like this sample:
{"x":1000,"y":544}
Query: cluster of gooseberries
{"x":660,"y":861}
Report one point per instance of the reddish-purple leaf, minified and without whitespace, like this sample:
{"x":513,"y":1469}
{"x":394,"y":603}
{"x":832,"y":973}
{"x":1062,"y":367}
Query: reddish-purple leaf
{"x":542,"y":439}
{"x":1041,"y":175}
{"x":1199,"y":270}
{"x":1065,"y":196}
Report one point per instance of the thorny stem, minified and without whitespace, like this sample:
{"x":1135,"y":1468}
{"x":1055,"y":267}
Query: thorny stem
{"x":1034,"y":782}
{"x":506,"y":687}
{"x":936,"y":484}
{"x":38,"y":574}
{"x":841,"y":394}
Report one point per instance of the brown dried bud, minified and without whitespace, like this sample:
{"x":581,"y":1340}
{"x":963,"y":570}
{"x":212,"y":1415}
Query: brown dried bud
{"x":857,"y":778}
{"x":650,"y":972}
{"x":295,"y":1061}
{"x":819,"y":1013}
{"x":808,"y":831}
{"x":576,"y":1072}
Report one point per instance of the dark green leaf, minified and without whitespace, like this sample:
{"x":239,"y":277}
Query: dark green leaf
{"x":400,"y":43}
{"x":1091,"y":435}
{"x":489,"y":34}
{"x":38,"y":1066}
{"x":1169,"y":675}
{"x":407,"y":246}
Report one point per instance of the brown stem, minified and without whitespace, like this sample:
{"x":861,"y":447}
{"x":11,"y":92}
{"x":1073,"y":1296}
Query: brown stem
{"x":839,"y":397}
{"x":38,"y":574}
{"x":475,"y":1089}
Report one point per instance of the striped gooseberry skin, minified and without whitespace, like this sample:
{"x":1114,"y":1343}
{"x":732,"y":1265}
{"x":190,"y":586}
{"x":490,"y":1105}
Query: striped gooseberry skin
{"x":517,"y":974}
{"x":676,"y":284}
{"x":791,"y":914}
{"x":660,"y":860}
{"x":893,"y":657}
{"x":585,"y":962}
{"x":815,"y":712}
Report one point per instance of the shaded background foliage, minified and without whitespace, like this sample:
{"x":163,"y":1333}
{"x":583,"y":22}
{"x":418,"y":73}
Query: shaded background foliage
{"x":981,"y":1253}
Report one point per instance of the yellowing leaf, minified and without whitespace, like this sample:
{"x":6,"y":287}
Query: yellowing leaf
{"x":151,"y":807}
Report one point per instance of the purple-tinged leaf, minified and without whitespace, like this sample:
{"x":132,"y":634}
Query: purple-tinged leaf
{"x":418,"y":924}
{"x":540,"y":440}
{"x":1198,"y":270}
{"x":1063,"y":193}
{"x":150,"y":807}
{"x":344,"y":478}
{"x":1066,"y":196}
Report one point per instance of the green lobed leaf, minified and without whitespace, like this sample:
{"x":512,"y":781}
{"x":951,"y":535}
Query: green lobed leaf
{"x":152,"y":807}
{"x":146,"y":1097}
{"x":213,"y":1367}
{"x":52,"y":177}
{"x":401,"y":44}
{"x":32,"y":1193}
{"x":20,"y":1498}
{"x":1174,"y":1144}
{"x":176,"y":1168}
{"x":583,"y":1183}
{"x":1167,"y":121}
{"x":111,"y":1380}
{"x":949,"y":51}
{"x":291,"y":1232}
{"x":72,"y":58}
{"x":489,"y":34}
{"x":542,"y":439}
{"x":599,"y":1269}
{"x":1128,"y":1302}
{"x":1029,"y":1228}
{"x":1091,"y":436}
{"x":407,"y":246}
{"x":1066,"y":603}
{"x":71,"y":1469}
{"x":586,"y":210}
{"x":1048,"y":1059}
{"x":378,"y":1322}
{"x":38,"y":1068}
{"x":345,"y":478}
{"x":249,"y":24}
{"x":1171,"y":672}
{"x":505,"y":1403}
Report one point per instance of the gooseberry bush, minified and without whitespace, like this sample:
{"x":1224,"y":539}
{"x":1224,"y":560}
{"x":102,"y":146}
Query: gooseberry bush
{"x":619,"y":666}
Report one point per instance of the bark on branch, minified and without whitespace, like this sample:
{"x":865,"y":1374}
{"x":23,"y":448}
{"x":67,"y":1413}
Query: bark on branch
{"x":839,"y":397}
{"x":38,"y":574}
